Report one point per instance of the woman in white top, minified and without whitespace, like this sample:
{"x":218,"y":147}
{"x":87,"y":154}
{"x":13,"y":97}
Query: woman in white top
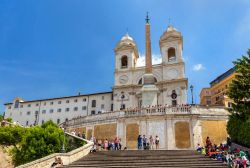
{"x":151,"y":142}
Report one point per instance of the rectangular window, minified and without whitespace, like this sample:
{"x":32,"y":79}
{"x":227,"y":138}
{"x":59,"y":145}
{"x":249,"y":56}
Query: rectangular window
{"x":75,"y":100}
{"x":37,"y":104}
{"x":44,"y":103}
{"x":174,"y":102}
{"x":59,"y":110}
{"x":51,"y":103}
{"x":9,"y":107}
{"x":102,"y":106}
{"x":84,"y":107}
{"x":111,"y":107}
{"x":29,"y":105}
{"x":93,"y":104}
{"x":75,"y":108}
{"x":51,"y":110}
{"x":67,"y":109}
{"x":93,"y":112}
{"x":28,"y":112}
{"x":59,"y":102}
{"x":102,"y":97}
{"x":67,"y":101}
{"x":42,"y":121}
{"x":44,"y":111}
{"x":27,"y":123}
{"x":84,"y":99}
{"x":58,"y":121}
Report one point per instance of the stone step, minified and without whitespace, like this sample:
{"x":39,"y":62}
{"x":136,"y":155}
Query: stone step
{"x":151,"y":158}
{"x":149,"y":166}
{"x":141,"y":161}
{"x":139,"y":158}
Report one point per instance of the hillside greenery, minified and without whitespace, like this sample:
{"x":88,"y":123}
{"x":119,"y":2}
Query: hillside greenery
{"x":35,"y":142}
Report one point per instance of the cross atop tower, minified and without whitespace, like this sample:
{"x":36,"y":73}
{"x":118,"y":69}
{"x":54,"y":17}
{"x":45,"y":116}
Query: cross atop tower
{"x":147,"y":18}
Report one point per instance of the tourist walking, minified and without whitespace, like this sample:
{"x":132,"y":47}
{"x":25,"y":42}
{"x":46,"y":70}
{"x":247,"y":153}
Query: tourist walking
{"x":157,"y":142}
{"x":139,"y":142}
{"x":120,"y":144}
{"x":116,"y":143}
{"x":144,"y":141}
{"x":106,"y":144}
{"x":151,"y":142}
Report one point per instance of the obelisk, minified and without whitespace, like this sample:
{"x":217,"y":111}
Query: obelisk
{"x":149,"y":90}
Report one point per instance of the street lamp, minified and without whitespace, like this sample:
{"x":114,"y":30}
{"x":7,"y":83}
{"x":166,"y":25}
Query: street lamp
{"x":192,"y":88}
{"x":122,"y":97}
{"x":63,"y":147}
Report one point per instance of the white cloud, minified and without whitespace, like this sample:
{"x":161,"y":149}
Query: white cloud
{"x":198,"y":67}
{"x":156,"y":59}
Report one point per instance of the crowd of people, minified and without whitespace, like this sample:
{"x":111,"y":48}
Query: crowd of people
{"x":148,"y":143}
{"x":106,"y":144}
{"x":234,"y":158}
{"x":143,"y":143}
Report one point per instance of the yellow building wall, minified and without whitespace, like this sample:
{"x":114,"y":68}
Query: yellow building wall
{"x":105,"y":131}
{"x":132,"y":132}
{"x":182,"y":135}
{"x":216,"y":130}
{"x":89,"y":134}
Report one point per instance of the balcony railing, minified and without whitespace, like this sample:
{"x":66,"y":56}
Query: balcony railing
{"x":130,"y":112}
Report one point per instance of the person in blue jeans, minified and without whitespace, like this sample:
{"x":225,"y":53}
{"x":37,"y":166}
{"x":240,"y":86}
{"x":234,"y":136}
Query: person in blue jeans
{"x":139,"y":142}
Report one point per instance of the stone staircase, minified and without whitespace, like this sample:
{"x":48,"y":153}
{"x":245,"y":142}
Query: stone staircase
{"x":146,"y":158}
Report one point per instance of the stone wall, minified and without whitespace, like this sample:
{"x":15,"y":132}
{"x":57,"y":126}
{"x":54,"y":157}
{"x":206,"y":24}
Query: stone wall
{"x":132,"y":132}
{"x":5,"y":158}
{"x":105,"y":131}
{"x":216,"y":130}
{"x":182,"y":135}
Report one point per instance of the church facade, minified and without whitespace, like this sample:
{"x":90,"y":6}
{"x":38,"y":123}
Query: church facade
{"x":169,"y":76}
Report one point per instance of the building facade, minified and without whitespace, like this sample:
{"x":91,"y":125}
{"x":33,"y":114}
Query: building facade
{"x":58,"y":109}
{"x":216,"y":94}
{"x":169,"y":76}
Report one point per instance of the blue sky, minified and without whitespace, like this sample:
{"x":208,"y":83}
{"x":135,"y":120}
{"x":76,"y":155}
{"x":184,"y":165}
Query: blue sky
{"x":51,"y":48}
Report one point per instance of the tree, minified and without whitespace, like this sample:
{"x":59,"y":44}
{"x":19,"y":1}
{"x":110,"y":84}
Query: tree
{"x":239,"y":91}
{"x":1,"y":117}
{"x":32,"y":143}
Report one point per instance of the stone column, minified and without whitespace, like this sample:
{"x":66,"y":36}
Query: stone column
{"x":148,"y":50}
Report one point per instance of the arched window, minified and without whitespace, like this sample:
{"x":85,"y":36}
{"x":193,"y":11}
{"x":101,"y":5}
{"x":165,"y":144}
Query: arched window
{"x":171,"y":54}
{"x":124,"y":62}
{"x":174,"y":96}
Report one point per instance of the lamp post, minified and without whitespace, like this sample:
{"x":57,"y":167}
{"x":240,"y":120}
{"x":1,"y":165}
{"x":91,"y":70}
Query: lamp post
{"x":63,"y":147}
{"x":192,"y":88}
{"x":122,"y":97}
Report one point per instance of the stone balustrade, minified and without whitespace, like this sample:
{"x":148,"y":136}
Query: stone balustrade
{"x":146,"y":111}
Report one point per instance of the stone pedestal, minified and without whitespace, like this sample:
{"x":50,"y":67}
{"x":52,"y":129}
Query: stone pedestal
{"x":149,"y":95}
